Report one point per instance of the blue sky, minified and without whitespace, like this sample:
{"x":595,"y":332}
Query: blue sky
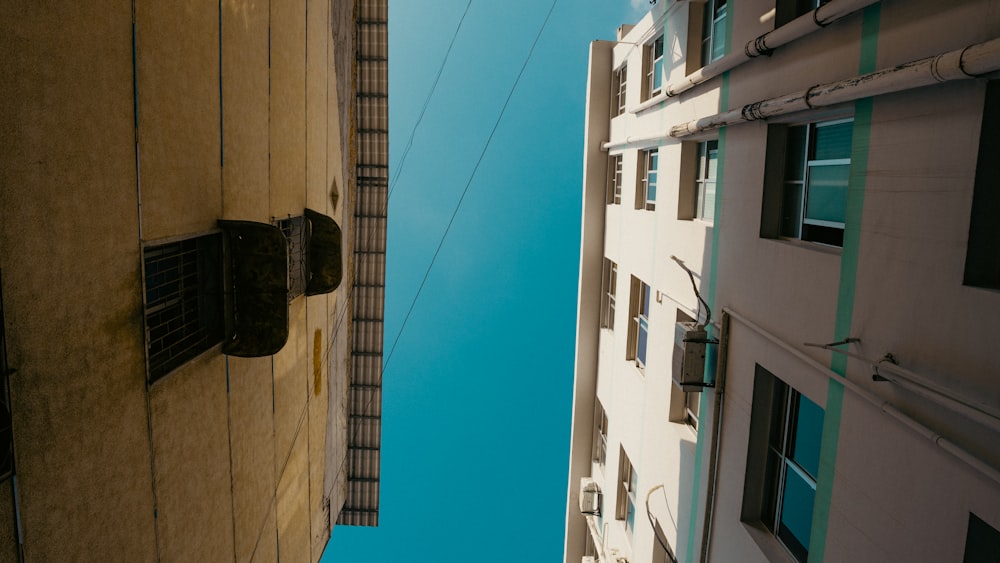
{"x":477,"y":394}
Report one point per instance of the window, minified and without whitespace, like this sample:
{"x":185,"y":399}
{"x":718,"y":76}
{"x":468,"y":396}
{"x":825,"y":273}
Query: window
{"x":982,"y":261}
{"x":600,"y":434}
{"x":805,"y":181}
{"x":782,"y":462}
{"x":787,"y":10}
{"x":295,"y":233}
{"x":638,"y":331}
{"x":618,"y":82}
{"x":614,"y":196}
{"x":692,"y":403}
{"x":653,"y":59}
{"x":708,"y":163}
{"x":609,"y":278}
{"x":183,"y":311}
{"x":982,"y":542}
{"x":628,"y":482}
{"x":713,"y":35}
{"x":645,"y":193}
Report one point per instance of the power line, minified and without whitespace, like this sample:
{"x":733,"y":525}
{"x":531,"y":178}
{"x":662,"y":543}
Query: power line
{"x":427,"y":101}
{"x":468,"y":183}
{"x":458,"y":206}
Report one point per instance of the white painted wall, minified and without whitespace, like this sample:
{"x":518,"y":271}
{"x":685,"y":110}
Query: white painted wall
{"x":896,"y":495}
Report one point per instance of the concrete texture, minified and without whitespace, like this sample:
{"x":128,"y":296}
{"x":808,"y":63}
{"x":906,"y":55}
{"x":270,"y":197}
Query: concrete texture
{"x":78,"y":398}
{"x":102,"y":153}
{"x":293,"y":504}
{"x":286,"y":106}
{"x":177,"y":83}
{"x":245,"y":101}
{"x":252,"y":446}
{"x":189,"y":412}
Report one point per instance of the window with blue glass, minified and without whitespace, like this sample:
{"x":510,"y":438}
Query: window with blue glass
{"x":638,"y":334}
{"x":783,"y":462}
{"x":645,"y":193}
{"x":708,"y":170}
{"x":628,"y":483}
{"x":713,"y":37}
{"x":653,"y":58}
{"x":807,"y":170}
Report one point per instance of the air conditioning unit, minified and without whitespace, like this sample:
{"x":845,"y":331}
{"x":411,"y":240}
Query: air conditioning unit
{"x":690,"y":343}
{"x":588,"y":559}
{"x":590,"y":497}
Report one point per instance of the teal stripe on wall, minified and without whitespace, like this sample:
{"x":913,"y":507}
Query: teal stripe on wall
{"x":845,"y":294}
{"x":711,"y":362}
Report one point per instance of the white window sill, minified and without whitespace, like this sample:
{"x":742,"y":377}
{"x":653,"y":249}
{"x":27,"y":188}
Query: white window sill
{"x":808,"y":245}
{"x":767,"y":543}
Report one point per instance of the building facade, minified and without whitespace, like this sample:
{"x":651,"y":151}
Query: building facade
{"x":790,"y":286}
{"x":188,"y":219}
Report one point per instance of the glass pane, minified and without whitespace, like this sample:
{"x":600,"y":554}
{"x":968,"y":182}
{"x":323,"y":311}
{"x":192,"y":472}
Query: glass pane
{"x":791,"y":209}
{"x":827,"y":193}
{"x":640,"y":353}
{"x":708,"y":201}
{"x":657,"y":74}
{"x":796,"y":510}
{"x":795,"y":153}
{"x":833,"y":141}
{"x":808,"y":434}
{"x":651,"y":176}
{"x":713,"y":159}
{"x":630,"y":517}
{"x":719,"y":36}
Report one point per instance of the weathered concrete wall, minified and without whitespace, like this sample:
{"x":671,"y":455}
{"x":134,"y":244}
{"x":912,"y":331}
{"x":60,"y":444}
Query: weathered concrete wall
{"x":252,"y":442}
{"x":177,"y":85}
{"x":70,"y":258}
{"x":93,"y":169}
{"x":245,"y":81}
{"x":191,"y":451}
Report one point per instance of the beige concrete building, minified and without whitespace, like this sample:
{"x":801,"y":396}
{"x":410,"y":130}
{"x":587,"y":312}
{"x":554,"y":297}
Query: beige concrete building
{"x":192,"y":262}
{"x":790,"y":286}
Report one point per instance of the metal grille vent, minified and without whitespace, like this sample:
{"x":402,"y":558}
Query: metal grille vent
{"x":183,"y":301}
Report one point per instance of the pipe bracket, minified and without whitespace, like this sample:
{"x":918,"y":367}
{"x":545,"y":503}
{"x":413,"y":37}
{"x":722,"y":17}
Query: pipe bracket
{"x":805,"y":97}
{"x":751,"y":112}
{"x":961,"y":65}
{"x":758,"y":47}
{"x":817,"y":21}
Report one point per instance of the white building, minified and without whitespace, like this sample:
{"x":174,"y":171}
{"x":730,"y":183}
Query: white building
{"x":826,"y":170}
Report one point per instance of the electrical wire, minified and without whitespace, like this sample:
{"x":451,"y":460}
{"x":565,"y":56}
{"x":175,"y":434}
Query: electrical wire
{"x":427,"y":102}
{"x":708,"y":310}
{"x":458,"y":206}
{"x":338,"y":325}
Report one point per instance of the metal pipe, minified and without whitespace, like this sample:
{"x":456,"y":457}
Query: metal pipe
{"x":882,"y":405}
{"x":925,"y":387}
{"x":811,"y":21}
{"x":947,"y":400}
{"x":971,"y":62}
{"x":713,"y":462}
